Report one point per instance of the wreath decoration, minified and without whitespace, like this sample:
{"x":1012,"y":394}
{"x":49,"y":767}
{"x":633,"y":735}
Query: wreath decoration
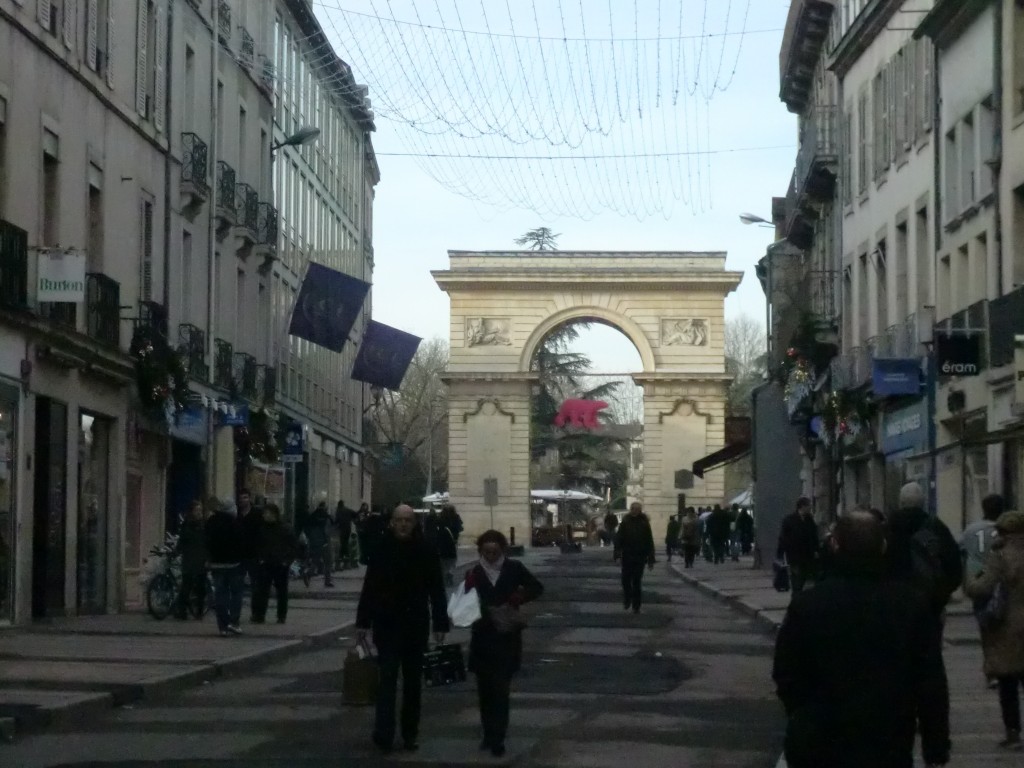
{"x":799,"y":380}
{"x":160,"y":374}
{"x":846,"y":414}
{"x":259,"y":441}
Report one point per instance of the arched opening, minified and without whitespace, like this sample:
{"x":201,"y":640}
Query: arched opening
{"x":586,"y":428}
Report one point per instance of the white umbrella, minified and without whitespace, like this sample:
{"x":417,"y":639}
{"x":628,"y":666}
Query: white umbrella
{"x":744,"y":499}
{"x":436,"y":498}
{"x":564,"y":496}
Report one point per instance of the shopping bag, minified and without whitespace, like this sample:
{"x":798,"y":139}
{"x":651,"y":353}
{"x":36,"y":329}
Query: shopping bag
{"x":464,"y":606}
{"x":360,"y":676}
{"x":781,"y":578}
{"x":444,"y":665}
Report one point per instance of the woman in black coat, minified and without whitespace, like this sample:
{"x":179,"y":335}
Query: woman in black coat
{"x":495,"y":649}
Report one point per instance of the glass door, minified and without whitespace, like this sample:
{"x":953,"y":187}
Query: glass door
{"x":93,"y":512}
{"x":8,"y":464}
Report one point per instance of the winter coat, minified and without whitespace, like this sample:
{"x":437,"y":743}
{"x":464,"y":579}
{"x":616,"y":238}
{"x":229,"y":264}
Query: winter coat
{"x":672,"y":532}
{"x":798,"y":539}
{"x":316,"y":527}
{"x":343,"y":517}
{"x":403,"y":592}
{"x":252,"y":526}
{"x":224,"y":540}
{"x":858,"y":664}
{"x":634,"y":540}
{"x":1003,"y":644}
{"x":611,"y":522}
{"x":446,"y":542}
{"x":489,"y":650}
{"x":192,"y":547}
{"x":718,"y":526}
{"x":278,"y":545}
{"x":690,"y":530}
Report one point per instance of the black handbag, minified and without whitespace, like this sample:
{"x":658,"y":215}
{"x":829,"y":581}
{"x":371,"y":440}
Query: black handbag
{"x":444,"y":665}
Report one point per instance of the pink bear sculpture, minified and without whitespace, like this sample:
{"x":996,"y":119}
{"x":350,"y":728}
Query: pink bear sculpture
{"x":579,"y":413}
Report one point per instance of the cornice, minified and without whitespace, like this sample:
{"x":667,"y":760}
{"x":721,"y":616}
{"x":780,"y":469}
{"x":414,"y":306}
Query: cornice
{"x":861,"y":34}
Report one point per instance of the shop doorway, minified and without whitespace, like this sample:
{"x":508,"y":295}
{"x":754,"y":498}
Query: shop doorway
{"x":185,"y":479}
{"x":8,"y":465}
{"x":50,"y":509}
{"x":93,"y":512}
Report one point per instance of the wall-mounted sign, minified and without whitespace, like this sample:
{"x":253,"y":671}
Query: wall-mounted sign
{"x":895,"y":376}
{"x":1018,"y":368}
{"x":957,"y":354}
{"x":61,"y":276}
{"x":294,"y":445}
{"x":235,"y":416}
{"x":905,"y":428}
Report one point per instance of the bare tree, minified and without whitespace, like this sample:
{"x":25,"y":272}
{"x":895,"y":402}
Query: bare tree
{"x":539,"y":239}
{"x":745,"y":344}
{"x":745,"y":359}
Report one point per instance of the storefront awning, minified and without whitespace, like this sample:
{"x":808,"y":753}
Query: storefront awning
{"x":720,"y":458}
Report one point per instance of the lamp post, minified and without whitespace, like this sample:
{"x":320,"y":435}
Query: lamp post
{"x":305,"y":135}
{"x":753,"y":218}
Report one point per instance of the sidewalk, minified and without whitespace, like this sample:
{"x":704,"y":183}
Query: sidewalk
{"x":68,"y":669}
{"x":974,"y":709}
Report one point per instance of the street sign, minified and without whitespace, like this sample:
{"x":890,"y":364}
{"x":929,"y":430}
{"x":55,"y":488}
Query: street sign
{"x":684,"y":479}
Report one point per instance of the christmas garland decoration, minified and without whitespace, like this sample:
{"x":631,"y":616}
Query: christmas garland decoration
{"x":160,"y":374}
{"x":799,"y":380}
{"x":259,"y":441}
{"x":847,"y":413}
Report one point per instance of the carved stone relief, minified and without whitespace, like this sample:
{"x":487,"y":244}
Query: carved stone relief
{"x":488,"y":331}
{"x":684,"y":332}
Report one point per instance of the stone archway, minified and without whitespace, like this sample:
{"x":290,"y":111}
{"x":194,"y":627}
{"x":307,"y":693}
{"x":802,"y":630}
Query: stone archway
{"x":504,"y":303}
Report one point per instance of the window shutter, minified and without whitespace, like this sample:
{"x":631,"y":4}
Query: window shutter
{"x":141,"y":42}
{"x":44,"y":10}
{"x":92,"y":11}
{"x":70,"y":23}
{"x":159,"y":67}
{"x":109,"y":58}
{"x":146,"y":272}
{"x":927,"y":79}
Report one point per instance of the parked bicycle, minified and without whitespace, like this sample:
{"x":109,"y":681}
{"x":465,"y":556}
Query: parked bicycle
{"x":162,"y":580}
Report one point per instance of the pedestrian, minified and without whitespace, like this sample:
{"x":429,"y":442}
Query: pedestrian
{"x":672,"y":532}
{"x":923,"y":552}
{"x":224,"y":545}
{"x":403,"y":593}
{"x":798,"y":544}
{"x":343,"y":519}
{"x":251,"y":520}
{"x":745,"y":530}
{"x":495,"y":647}
{"x":371,"y":532}
{"x":978,"y":537}
{"x":1002,"y":639}
{"x":278,"y":548}
{"x":447,"y":544}
{"x":857,"y":666}
{"x":718,"y":533}
{"x":317,"y":532}
{"x":611,"y":523}
{"x":192,"y":549}
{"x":451,"y":519}
{"x":690,"y":535}
{"x":634,"y":546}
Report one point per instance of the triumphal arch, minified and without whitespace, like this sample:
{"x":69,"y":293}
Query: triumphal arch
{"x":503,"y":305}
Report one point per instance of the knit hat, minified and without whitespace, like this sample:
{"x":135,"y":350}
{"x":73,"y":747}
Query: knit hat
{"x":1010,"y":522}
{"x":912,"y":496}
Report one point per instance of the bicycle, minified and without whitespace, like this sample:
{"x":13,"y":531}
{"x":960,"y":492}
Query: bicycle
{"x":162,"y":579}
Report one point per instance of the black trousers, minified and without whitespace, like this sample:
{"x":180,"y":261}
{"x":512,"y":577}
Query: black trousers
{"x":494,"y":691}
{"x":193,"y":588}
{"x":391,"y":660}
{"x":1009,"y":702}
{"x":718,"y":550}
{"x":689,"y":554}
{"x":632,"y":576}
{"x":268,"y":574}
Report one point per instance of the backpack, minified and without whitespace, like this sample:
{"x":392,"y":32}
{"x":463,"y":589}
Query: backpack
{"x":936,"y":567}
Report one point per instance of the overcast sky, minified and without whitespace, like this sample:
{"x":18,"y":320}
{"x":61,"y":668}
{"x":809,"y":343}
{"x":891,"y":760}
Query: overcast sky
{"x":418,"y":219}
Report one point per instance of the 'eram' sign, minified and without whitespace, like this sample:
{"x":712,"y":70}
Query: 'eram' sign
{"x":61,"y":276}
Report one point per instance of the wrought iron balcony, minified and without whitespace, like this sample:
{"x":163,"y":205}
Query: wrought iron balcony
{"x":192,"y":347}
{"x":244,"y":370}
{"x":225,"y":200}
{"x":1006,"y":320}
{"x":222,"y":373}
{"x":266,"y":225}
{"x":223,"y":21}
{"x":152,"y":314}
{"x":844,"y":369}
{"x":64,"y":313}
{"x":823,"y":294}
{"x":13,"y":266}
{"x":103,"y":308}
{"x":266,"y":74}
{"x":247,"y":203}
{"x":194,"y":168}
{"x":247,"y":51}
{"x":818,"y":157}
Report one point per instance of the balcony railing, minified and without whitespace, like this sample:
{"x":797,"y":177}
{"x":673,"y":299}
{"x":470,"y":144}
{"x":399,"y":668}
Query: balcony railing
{"x":192,"y":347}
{"x":194,"y":165}
{"x":224,"y":21}
{"x":247,"y":51}
{"x":64,"y":313}
{"x":1006,"y":320}
{"x":266,"y":74}
{"x":225,"y":199}
{"x":247,"y":203}
{"x":818,"y":155}
{"x":103,"y":308}
{"x":244,"y":372}
{"x":13,"y":266}
{"x":266,"y":225}
{"x":844,"y":369}
{"x":222,"y":374}
{"x":823,"y":293}
{"x":152,"y":314}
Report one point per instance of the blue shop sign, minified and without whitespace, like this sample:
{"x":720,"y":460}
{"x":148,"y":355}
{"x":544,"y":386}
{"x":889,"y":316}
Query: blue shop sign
{"x":190,"y":425}
{"x":895,"y":376}
{"x":239,"y":417}
{"x":905,"y":429}
{"x":294,"y":444}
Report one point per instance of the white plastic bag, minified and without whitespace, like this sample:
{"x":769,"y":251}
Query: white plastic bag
{"x":464,"y":606}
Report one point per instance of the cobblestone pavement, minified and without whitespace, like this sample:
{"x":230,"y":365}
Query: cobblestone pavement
{"x":684,"y":683}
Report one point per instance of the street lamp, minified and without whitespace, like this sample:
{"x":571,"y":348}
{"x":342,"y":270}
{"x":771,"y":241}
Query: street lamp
{"x":304,"y":135}
{"x":752,"y":218}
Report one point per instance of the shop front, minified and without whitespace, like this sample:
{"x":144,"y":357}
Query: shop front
{"x":9,"y":400}
{"x":904,"y":443}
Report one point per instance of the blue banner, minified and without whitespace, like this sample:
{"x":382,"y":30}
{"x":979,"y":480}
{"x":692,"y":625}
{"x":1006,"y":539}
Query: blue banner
{"x":294,"y":445}
{"x":190,"y":425}
{"x":895,"y":376}
{"x":905,"y":429}
{"x":384,"y":355}
{"x":327,"y":306}
{"x":237,"y":416}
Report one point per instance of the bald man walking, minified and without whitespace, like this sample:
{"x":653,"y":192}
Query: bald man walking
{"x":403,"y":593}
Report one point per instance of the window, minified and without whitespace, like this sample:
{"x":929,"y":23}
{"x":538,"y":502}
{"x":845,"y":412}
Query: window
{"x":901,"y":257}
{"x":51,"y":190}
{"x":848,"y":311}
{"x":881,"y":137}
{"x":191,"y":121}
{"x":968,"y":163}
{"x":986,"y":147}
{"x":900,"y":93}
{"x":862,"y":307}
{"x":185,"y":287}
{"x":146,"y":251}
{"x":104,"y":39}
{"x":951,"y":176}
{"x":241,"y":337}
{"x":3,"y":157}
{"x":48,"y":12}
{"x":881,"y":256}
{"x":944,"y":283}
{"x":912,"y":90}
{"x":927,"y":53}
{"x":924,"y":259}
{"x":960,"y":292}
{"x":1017,"y":46}
{"x":980,"y":271}
{"x":94,"y":248}
{"x":1017,"y":232}
{"x":220,"y":118}
{"x":243,"y":129}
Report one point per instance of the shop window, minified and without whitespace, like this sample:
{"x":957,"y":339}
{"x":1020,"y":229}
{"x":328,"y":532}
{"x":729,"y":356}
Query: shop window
{"x":93,"y":512}
{"x":924,"y":259}
{"x":51,"y":190}
{"x":3,"y":157}
{"x":94,"y":247}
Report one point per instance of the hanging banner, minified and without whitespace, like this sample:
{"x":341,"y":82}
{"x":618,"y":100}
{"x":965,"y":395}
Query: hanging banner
{"x":61,"y":276}
{"x":895,"y":376}
{"x":327,"y":306}
{"x":384,"y":355}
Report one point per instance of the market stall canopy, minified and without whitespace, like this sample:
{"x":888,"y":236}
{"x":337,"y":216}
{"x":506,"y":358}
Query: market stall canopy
{"x":437,"y":498}
{"x":554,"y":495}
{"x":737,"y":445}
{"x":744,"y":499}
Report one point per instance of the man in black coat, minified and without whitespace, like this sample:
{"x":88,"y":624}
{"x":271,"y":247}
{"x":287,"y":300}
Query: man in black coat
{"x":403,"y":593}
{"x":225,"y":549}
{"x":634,"y":546}
{"x":857,"y":664}
{"x":343,"y":518}
{"x":798,"y":543}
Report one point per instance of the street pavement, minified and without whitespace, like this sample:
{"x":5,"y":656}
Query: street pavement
{"x":974,"y":709}
{"x":684,"y":683}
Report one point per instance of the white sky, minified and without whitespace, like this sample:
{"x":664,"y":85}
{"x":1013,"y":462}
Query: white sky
{"x":417,"y":220}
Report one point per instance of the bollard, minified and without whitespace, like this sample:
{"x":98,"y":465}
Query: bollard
{"x":512,"y":536}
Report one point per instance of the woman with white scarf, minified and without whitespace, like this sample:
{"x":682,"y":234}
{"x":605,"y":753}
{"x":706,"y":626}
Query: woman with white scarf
{"x":496,"y":647}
